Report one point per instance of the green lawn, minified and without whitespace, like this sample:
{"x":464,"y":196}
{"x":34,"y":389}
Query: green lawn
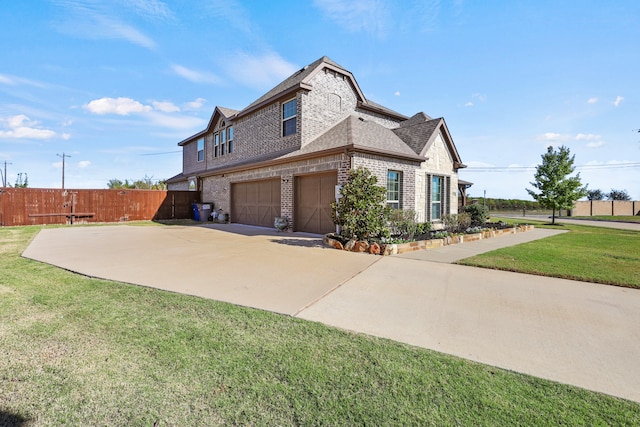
{"x":625,"y":218}
{"x":592,"y":254}
{"x":82,"y":351}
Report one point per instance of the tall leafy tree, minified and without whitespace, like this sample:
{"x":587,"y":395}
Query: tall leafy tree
{"x":556,"y":188}
{"x":618,"y":195}
{"x":595,"y":195}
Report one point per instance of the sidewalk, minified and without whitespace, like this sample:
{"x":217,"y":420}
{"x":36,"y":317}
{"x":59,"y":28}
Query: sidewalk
{"x":634,"y":226}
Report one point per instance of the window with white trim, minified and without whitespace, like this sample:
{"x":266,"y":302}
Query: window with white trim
{"x":289,"y":117}
{"x":230,"y":139}
{"x":200,"y":148}
{"x":394,"y":179}
{"x":216,"y":144}
{"x":437,"y":189}
{"x":223,"y":141}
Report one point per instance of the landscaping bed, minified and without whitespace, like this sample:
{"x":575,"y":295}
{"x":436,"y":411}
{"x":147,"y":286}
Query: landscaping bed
{"x":430,"y":241}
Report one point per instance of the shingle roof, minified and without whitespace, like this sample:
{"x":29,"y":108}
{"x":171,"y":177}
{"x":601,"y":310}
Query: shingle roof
{"x":227,"y":112}
{"x":417,"y":131}
{"x":298,"y":79}
{"x":359,"y":133}
{"x":294,"y":80}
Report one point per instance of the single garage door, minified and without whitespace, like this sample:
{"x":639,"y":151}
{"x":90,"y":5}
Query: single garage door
{"x":256,"y":202}
{"x":313,"y":197}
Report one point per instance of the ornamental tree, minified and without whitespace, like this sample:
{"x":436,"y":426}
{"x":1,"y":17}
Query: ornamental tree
{"x":556,"y":189}
{"x":361,"y":211}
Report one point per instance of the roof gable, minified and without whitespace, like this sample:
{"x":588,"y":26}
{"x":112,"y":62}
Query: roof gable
{"x":420,"y":131}
{"x":301,"y":79}
{"x":359,"y":133}
{"x":218,"y":112}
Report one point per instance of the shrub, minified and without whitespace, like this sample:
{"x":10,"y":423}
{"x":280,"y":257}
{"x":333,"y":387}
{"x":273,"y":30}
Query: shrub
{"x":456,"y":223}
{"x":478,"y":213}
{"x":403,"y":223}
{"x":362,"y":212}
{"x":423,"y":228}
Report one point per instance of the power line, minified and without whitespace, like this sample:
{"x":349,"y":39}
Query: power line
{"x":532,"y":168}
{"x":157,"y":154}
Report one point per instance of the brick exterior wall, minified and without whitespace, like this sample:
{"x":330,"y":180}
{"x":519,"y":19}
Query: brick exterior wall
{"x":190,"y":161}
{"x":439,"y":163}
{"x":331,"y":100}
{"x":217,"y":189}
{"x":379,"y":166}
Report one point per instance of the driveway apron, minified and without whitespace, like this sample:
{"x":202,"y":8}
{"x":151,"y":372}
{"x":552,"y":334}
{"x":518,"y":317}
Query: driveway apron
{"x":250,"y":266}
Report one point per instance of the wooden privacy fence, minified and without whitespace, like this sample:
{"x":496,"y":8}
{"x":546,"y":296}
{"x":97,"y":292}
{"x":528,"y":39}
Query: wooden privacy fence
{"x":31,"y":206}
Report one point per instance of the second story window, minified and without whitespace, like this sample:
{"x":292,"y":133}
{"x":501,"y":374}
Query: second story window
{"x":223,"y":141}
{"x":216,"y":145}
{"x":289,"y":115}
{"x":201,"y":149}
{"x":230,"y":139}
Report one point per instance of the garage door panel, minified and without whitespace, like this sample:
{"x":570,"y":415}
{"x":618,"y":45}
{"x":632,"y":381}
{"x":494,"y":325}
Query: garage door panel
{"x":313,"y":197}
{"x":255,"y":203}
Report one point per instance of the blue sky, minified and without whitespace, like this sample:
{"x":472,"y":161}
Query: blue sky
{"x":116,"y":84}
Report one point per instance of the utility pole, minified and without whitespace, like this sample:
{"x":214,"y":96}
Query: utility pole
{"x":4,"y":176}
{"x":63,"y":156}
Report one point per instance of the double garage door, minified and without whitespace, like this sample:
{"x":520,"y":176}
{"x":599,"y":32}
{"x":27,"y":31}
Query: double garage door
{"x":258,"y":202}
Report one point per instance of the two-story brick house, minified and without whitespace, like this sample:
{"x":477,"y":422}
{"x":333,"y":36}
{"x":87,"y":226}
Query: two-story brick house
{"x":284,"y":154}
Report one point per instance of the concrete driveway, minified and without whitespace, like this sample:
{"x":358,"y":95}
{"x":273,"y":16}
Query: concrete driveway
{"x":572,"y":332}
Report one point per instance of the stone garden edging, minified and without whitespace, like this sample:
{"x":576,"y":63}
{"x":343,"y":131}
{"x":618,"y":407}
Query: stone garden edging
{"x":399,"y":248}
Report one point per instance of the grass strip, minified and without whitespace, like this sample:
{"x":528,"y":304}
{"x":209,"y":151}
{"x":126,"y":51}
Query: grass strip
{"x":592,"y":254}
{"x":82,"y":351}
{"x":617,"y":218}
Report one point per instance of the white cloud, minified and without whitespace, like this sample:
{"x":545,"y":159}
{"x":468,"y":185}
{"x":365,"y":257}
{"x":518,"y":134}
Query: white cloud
{"x":195,"y":104}
{"x":593,"y":140}
{"x":475,"y":97}
{"x":618,"y":100}
{"x":397,"y":93}
{"x":592,"y":100}
{"x":121,"y":106}
{"x":195,"y":76}
{"x":369,"y":16}
{"x":165,"y":106}
{"x":233,"y":14}
{"x":15,"y":81}
{"x":595,"y":144}
{"x":479,"y":97}
{"x":551,"y":136}
{"x":176,"y":121}
{"x":97,"y":20}
{"x":150,"y":8}
{"x":84,"y":164}
{"x":66,"y":136}
{"x":587,"y":137}
{"x":161,"y":114}
{"x":21,"y":127}
{"x":260,"y":72}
